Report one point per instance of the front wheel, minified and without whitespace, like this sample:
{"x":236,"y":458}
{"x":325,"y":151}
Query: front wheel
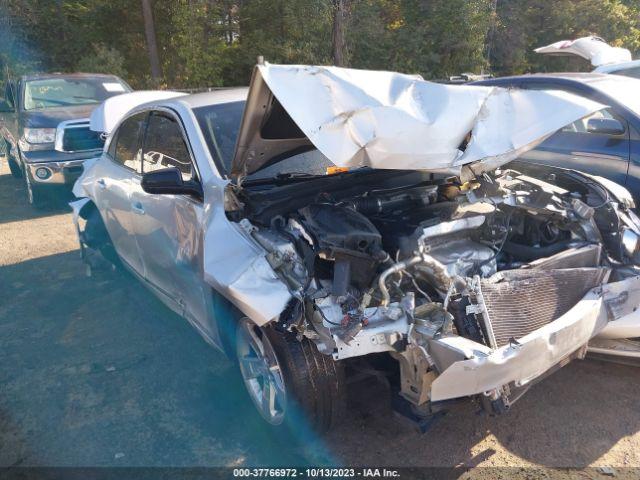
{"x":16,"y":172}
{"x":289,"y":380}
{"x":35,"y":195}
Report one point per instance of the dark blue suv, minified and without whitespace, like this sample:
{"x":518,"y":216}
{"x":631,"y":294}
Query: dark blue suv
{"x":606,"y":143}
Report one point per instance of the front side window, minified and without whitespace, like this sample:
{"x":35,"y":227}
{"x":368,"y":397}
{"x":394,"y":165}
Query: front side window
{"x":582,"y":125}
{"x":164,"y":146}
{"x":127,"y":142}
{"x":9,"y":95}
{"x":66,"y":92}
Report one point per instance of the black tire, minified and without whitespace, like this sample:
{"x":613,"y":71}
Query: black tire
{"x":314,"y":382}
{"x":16,"y":172}
{"x":96,"y":237}
{"x":35,"y":193}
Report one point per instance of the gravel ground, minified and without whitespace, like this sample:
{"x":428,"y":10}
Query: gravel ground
{"x":96,"y":372}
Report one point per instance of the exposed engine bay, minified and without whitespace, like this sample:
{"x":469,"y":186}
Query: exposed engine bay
{"x":435,"y":271}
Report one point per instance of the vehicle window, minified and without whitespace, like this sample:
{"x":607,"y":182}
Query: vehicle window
{"x":64,"y":92}
{"x":127,"y":141}
{"x":220,"y":125}
{"x":309,"y":163}
{"x":8,"y":93}
{"x":113,"y":144}
{"x":580,"y":126}
{"x":165,"y":147}
{"x":629,"y":72}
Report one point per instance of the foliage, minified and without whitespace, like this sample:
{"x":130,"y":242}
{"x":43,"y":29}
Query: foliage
{"x":524,"y":25}
{"x":216,"y":42}
{"x":102,"y":59}
{"x":438,"y":38}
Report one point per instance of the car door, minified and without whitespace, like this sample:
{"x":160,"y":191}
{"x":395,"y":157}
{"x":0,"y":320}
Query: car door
{"x":118,"y":174}
{"x":633,"y":178}
{"x":9,"y":119}
{"x":168,"y":227}
{"x":579,"y":147}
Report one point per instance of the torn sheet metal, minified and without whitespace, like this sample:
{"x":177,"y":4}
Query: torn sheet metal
{"x":591,"y":48}
{"x":537,"y":352}
{"x":237,"y":267}
{"x":109,"y":113}
{"x":394,"y":121}
{"x":623,"y":314}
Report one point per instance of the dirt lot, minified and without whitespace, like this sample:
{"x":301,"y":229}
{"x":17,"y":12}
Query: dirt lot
{"x":96,"y":372}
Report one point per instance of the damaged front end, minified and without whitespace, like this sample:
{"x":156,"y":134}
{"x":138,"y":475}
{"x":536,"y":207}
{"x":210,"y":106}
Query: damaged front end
{"x":475,"y":289}
{"x":469,"y":277}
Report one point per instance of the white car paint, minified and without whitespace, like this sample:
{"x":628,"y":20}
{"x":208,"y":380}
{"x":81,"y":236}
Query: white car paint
{"x":104,"y":118}
{"x":591,"y":48}
{"x":359,"y":115}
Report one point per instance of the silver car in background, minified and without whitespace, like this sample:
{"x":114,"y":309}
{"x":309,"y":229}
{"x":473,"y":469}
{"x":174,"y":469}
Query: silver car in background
{"x":329,"y":216}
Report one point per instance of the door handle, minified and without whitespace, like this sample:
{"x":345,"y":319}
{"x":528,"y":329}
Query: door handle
{"x":137,"y":208}
{"x":101,"y":183}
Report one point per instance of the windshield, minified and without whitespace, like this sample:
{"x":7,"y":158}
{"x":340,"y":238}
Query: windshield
{"x":624,"y":90}
{"x":65,"y":92}
{"x":220,"y":125}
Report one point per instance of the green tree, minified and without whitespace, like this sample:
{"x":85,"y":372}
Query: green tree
{"x":438,"y":38}
{"x":102,"y":59}
{"x":523,"y":25}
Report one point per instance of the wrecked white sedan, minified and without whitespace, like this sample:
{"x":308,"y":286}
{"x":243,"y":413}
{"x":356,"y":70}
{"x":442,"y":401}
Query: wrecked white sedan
{"x":328,"y":216}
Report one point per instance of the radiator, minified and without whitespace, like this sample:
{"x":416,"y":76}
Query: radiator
{"x":517,"y":302}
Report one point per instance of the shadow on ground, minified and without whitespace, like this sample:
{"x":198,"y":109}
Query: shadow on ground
{"x":95,"y":371}
{"x":14,"y":201}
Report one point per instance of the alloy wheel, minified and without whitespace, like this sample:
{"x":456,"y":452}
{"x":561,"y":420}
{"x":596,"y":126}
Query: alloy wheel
{"x":261,"y":372}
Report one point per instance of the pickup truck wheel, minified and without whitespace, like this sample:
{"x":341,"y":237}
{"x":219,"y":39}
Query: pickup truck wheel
{"x":34,"y":193}
{"x":289,"y":381}
{"x":13,"y":165}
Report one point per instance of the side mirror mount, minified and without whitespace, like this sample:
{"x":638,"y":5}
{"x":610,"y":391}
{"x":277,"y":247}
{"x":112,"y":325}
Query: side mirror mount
{"x":5,"y":107}
{"x":605,"y":126}
{"x":168,"y":181}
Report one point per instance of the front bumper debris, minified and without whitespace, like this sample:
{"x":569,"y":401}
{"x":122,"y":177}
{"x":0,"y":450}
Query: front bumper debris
{"x":519,"y":363}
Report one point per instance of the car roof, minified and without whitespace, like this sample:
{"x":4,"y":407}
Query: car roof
{"x":45,"y":76}
{"x":582,"y":77}
{"x":581,"y":80}
{"x":214,"y":97}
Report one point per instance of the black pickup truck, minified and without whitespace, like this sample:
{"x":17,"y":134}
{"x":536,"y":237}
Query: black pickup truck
{"x":44,"y":124}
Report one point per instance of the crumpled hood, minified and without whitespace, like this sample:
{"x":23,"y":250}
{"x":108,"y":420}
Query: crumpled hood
{"x":51,"y":117}
{"x":591,"y":48}
{"x":389,"y":120}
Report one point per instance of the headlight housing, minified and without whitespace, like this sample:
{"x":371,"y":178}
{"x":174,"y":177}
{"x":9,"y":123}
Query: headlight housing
{"x":40,"y":135}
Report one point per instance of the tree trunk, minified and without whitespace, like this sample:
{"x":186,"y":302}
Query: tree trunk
{"x":337,"y":35}
{"x":152,"y":45}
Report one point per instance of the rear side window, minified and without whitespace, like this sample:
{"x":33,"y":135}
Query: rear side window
{"x":164,"y":146}
{"x":127,"y":142}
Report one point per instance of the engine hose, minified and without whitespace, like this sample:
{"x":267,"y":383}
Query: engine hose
{"x":439,"y":270}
